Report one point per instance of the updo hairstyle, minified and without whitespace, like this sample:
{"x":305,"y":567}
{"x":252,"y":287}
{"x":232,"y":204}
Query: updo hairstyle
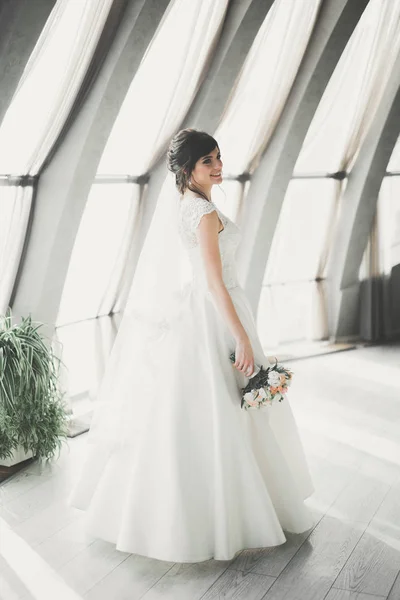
{"x":185,"y":149}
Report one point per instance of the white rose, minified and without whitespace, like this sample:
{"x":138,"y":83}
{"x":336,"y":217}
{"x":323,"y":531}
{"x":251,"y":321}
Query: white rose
{"x":262,"y":393}
{"x":250,"y":396}
{"x":274,"y":378}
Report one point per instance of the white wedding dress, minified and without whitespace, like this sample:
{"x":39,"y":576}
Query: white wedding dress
{"x":189,"y":475}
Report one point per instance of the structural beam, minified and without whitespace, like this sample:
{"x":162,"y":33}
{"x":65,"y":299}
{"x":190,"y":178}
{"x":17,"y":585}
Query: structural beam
{"x":358,"y":207}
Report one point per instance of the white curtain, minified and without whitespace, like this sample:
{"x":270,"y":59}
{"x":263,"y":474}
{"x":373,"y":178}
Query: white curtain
{"x":164,"y":86}
{"x":292,"y":303}
{"x":300,"y":235}
{"x":264,"y":83}
{"x":86,"y":346}
{"x":50,"y":84}
{"x":353,"y":94}
{"x":229,"y":196}
{"x":156,"y":102}
{"x":252,"y":111}
{"x":284,"y":314}
{"x":15,"y":203}
{"x":101,"y":248}
{"x":337,"y":131}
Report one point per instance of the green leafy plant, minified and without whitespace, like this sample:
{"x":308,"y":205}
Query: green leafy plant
{"x":32,"y":410}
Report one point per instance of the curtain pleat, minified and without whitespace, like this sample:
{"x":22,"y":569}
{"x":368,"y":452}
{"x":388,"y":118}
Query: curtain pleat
{"x":15,"y":203}
{"x":50,"y":84}
{"x":91,"y":30}
{"x":320,"y":326}
{"x":353,"y":94}
{"x":107,"y":36}
{"x":148,"y":118}
{"x":263,"y":84}
{"x":164,"y":86}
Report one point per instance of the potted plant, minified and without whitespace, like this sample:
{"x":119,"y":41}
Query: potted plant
{"x":33,"y":415}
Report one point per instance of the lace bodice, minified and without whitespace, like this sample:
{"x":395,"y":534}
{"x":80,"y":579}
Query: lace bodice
{"x":191,"y":211}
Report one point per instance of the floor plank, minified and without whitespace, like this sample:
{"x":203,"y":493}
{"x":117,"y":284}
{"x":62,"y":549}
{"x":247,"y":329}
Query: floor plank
{"x":337,"y":594}
{"x":93,"y":563}
{"x":20,"y":483}
{"x":65,"y":544}
{"x":313,"y":569}
{"x":395,"y":591}
{"x":270,"y":561}
{"x":360,"y":499}
{"x":47,"y":522}
{"x":11,"y":588}
{"x":375,"y":563}
{"x":187,"y":581}
{"x":236,"y":585}
{"x":130,"y":580}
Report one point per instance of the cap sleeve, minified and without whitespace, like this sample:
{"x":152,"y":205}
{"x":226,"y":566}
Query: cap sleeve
{"x":196,"y":209}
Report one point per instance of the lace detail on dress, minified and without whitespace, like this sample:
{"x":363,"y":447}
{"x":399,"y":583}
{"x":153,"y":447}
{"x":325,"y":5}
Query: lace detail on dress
{"x":192,"y":210}
{"x":196,"y":210}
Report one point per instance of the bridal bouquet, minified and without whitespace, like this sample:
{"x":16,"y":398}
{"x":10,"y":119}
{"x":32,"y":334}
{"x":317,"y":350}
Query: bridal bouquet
{"x":266,"y":386}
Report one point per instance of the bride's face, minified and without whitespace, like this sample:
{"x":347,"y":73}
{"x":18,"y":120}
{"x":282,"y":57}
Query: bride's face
{"x":208,"y":169}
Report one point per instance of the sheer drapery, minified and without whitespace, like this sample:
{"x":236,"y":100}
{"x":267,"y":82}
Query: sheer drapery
{"x":300,"y":236}
{"x":50,"y":84}
{"x":263,"y":85}
{"x":286,"y":313}
{"x":156,"y":102}
{"x":294,"y":275}
{"x":337,"y":131}
{"x":164,"y":86}
{"x":15,"y":203}
{"x":355,"y":89}
{"x":86,"y":346}
{"x":252,"y":111}
{"x":96,"y":269}
{"x":229,"y":196}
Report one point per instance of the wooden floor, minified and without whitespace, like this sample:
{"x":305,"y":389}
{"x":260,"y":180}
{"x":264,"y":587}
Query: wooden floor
{"x":347,"y":406}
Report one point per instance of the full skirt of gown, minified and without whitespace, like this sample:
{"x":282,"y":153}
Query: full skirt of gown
{"x":175,"y":469}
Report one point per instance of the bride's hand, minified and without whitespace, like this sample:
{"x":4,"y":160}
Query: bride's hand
{"x":244,"y":357}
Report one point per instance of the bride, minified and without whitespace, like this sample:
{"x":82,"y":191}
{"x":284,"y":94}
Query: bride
{"x":175,"y":469}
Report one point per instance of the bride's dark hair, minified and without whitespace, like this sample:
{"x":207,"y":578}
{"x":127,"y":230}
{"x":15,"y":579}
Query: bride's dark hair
{"x":185,"y":149}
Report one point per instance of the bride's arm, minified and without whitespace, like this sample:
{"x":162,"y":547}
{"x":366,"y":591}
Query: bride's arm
{"x":207,"y":235}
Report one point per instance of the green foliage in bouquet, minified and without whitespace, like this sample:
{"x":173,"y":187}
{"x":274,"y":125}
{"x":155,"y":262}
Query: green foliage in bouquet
{"x":32,"y":411}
